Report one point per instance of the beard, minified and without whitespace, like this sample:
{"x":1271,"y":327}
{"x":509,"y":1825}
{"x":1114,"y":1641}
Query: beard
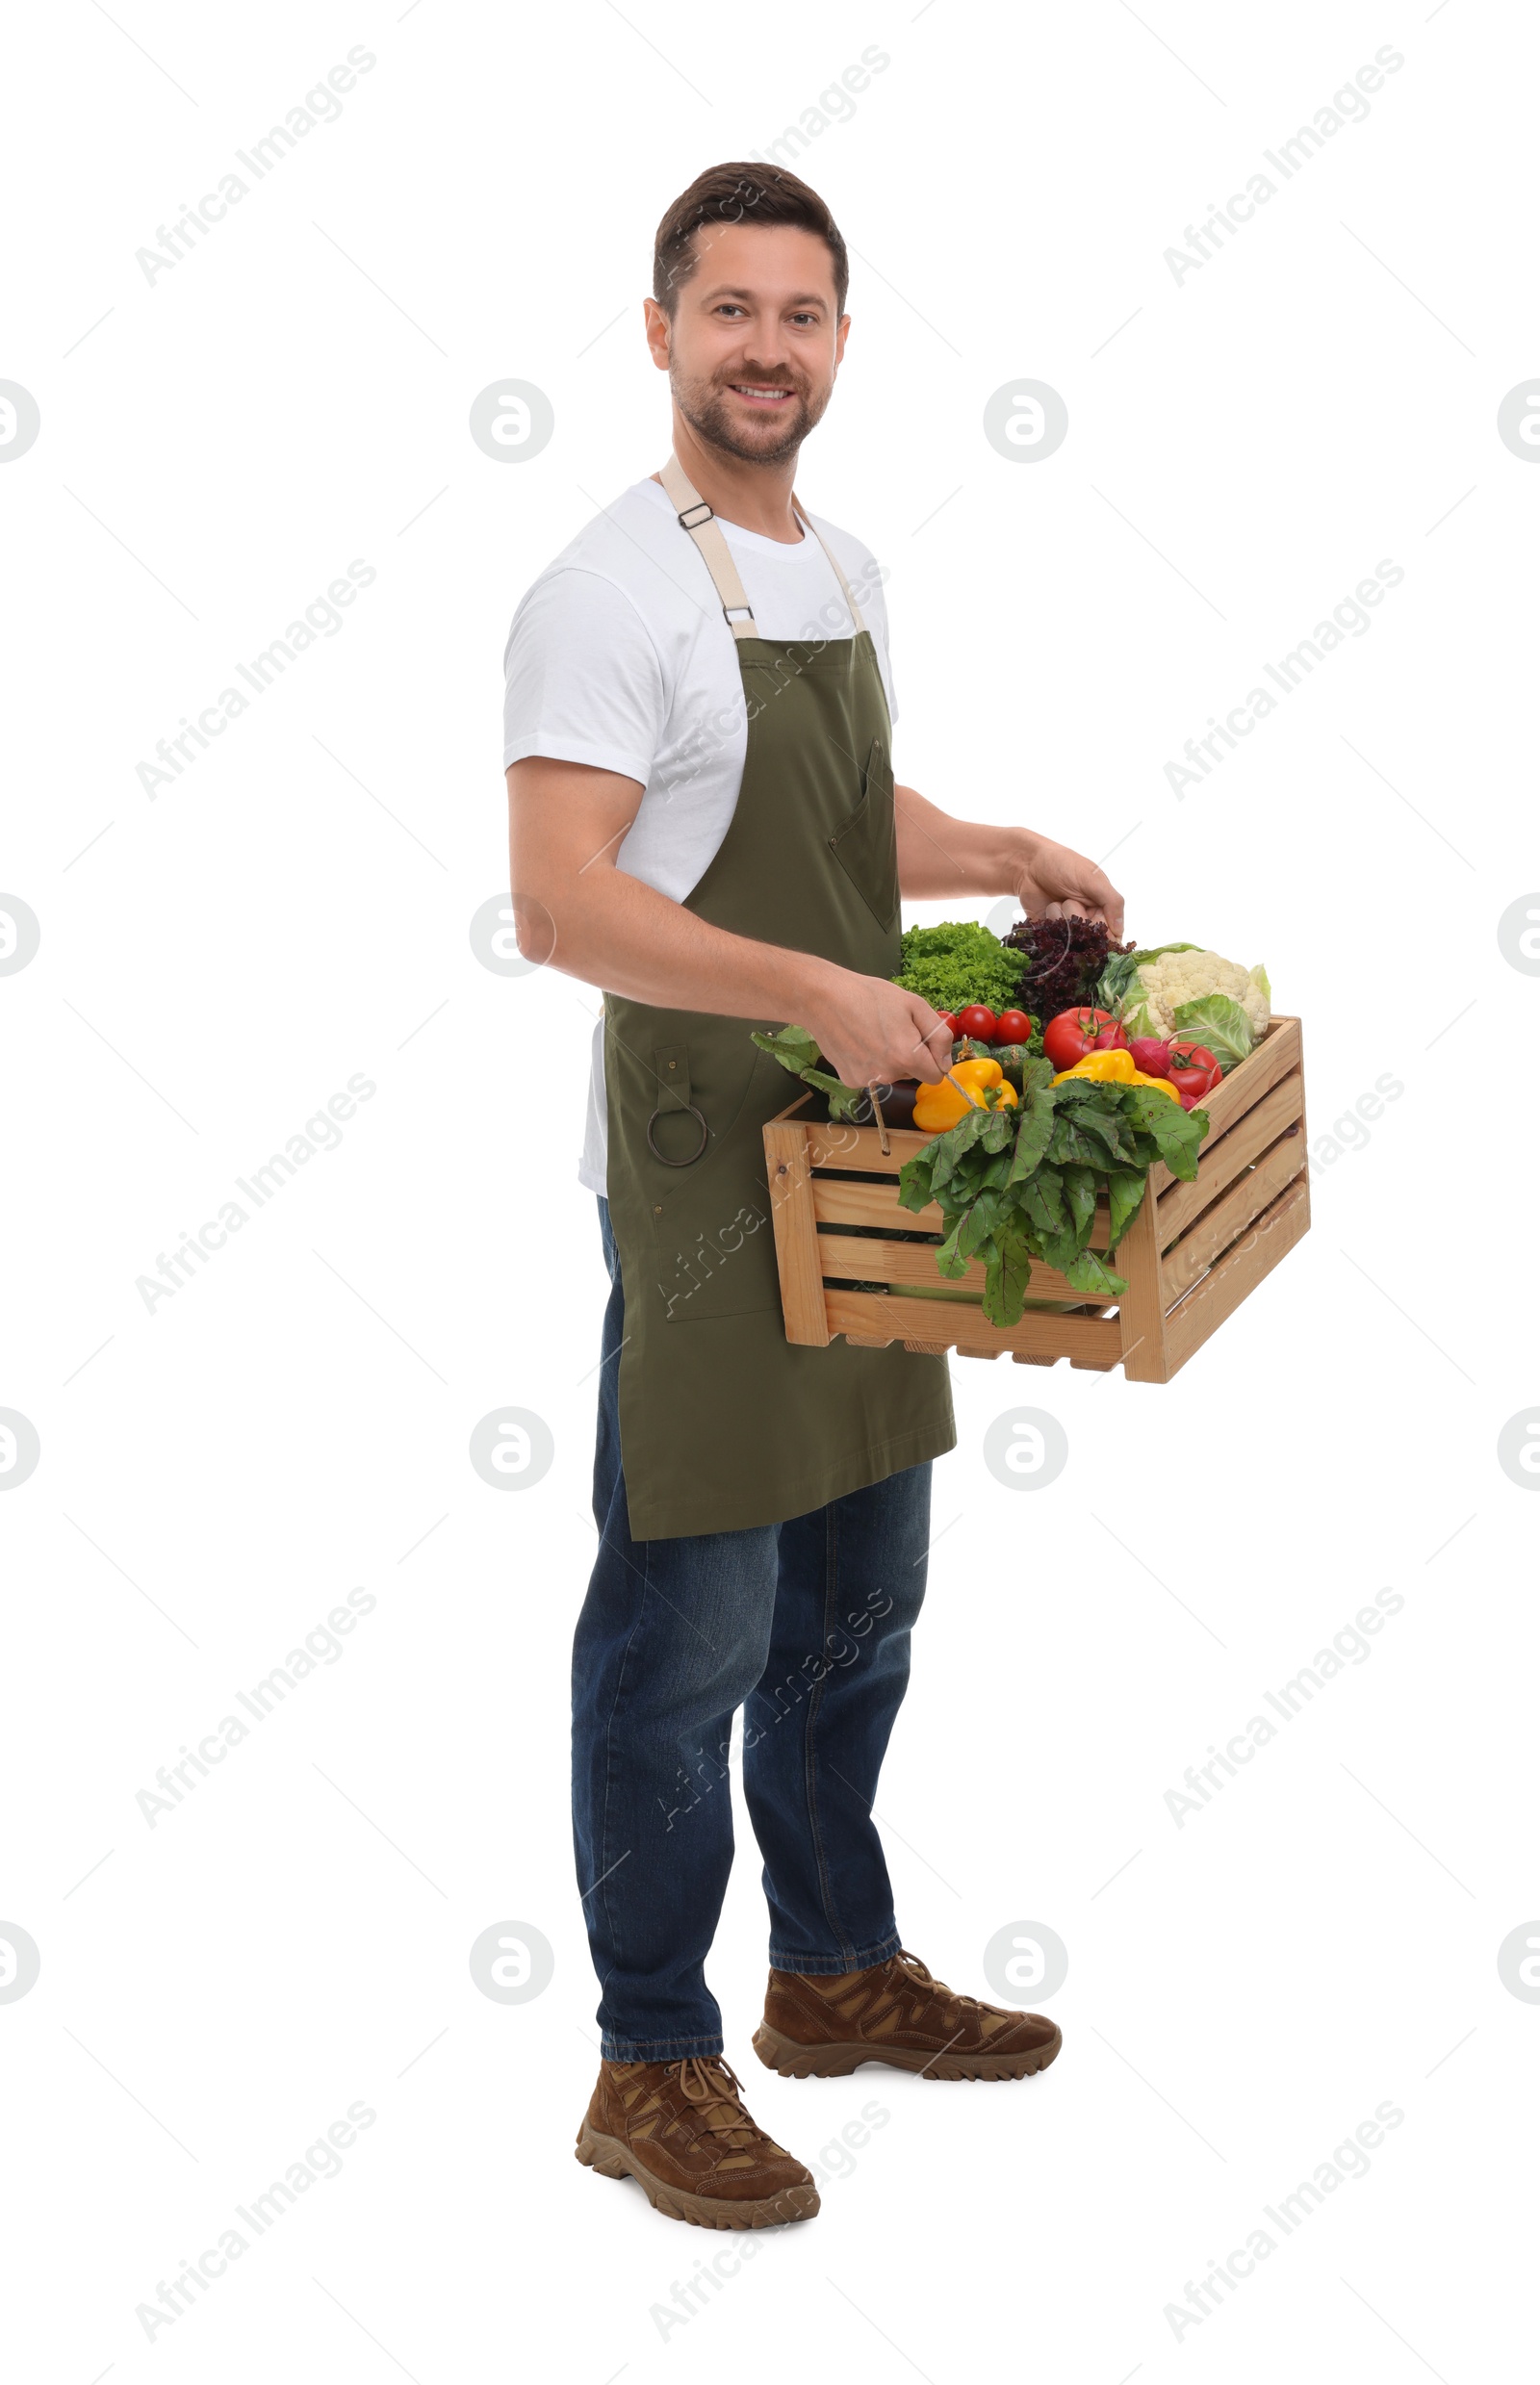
{"x":706,"y":407}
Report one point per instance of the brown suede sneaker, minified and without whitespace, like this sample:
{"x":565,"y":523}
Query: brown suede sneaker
{"x":896,"y":2012}
{"x":680,"y":2129}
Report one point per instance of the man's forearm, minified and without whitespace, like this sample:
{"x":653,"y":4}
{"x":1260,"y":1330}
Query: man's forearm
{"x":621,"y":934}
{"x":938,"y":856}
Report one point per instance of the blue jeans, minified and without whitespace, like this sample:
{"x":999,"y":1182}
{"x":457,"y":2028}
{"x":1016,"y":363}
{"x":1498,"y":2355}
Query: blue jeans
{"x":806,"y":1625}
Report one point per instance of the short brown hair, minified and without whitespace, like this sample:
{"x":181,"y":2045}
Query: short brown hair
{"x":738,"y":195}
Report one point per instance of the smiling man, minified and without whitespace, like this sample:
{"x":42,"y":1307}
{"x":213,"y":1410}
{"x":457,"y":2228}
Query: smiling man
{"x":705,"y":824}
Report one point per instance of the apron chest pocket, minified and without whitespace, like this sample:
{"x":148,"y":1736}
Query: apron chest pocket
{"x":866,"y":844}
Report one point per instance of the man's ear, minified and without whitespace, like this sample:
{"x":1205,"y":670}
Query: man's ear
{"x":658,"y":333}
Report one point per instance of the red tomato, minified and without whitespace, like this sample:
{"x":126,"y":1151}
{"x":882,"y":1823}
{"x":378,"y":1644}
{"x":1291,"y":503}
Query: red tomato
{"x":1193,"y":1070}
{"x":1152,"y":1054}
{"x":977,"y":1023}
{"x":1073,"y":1034}
{"x":1013,"y":1027}
{"x":948,"y":1019}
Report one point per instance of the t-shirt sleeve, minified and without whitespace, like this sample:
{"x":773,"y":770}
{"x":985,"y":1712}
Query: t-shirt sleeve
{"x":581,"y":677}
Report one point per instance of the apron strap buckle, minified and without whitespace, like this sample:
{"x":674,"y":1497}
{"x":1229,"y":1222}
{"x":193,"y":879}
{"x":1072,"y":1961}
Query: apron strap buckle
{"x":693,"y":516}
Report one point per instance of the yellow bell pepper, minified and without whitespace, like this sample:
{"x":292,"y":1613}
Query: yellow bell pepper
{"x":1103,"y":1067}
{"x":937,"y":1107}
{"x":1114,"y":1067}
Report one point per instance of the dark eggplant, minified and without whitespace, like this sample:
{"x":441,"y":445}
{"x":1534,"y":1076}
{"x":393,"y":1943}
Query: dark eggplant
{"x":897,"y":1104}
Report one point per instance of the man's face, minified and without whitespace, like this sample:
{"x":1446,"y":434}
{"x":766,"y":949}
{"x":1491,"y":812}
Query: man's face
{"x":756,"y":339}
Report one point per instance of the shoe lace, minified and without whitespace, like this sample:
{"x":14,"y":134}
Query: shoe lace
{"x":923,"y":1977}
{"x":713,"y":2086}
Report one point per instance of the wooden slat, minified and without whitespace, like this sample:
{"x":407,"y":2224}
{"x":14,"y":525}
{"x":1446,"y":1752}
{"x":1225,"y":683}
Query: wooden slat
{"x":1221,"y":1293}
{"x":1141,"y":1310}
{"x":1275,"y":1055}
{"x":871,"y":1204}
{"x":802,"y":1288}
{"x":1230,"y":1216}
{"x":914,"y":1263}
{"x":869,"y":1316}
{"x":1222,"y":1162}
{"x":1096,"y":1366}
{"x":877,"y":1204}
{"x":861,"y":1147}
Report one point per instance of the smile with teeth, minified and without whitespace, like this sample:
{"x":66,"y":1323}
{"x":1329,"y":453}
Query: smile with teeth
{"x":759,"y":392}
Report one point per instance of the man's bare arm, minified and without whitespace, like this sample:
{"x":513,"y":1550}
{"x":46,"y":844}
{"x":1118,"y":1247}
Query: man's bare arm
{"x":580,"y":914}
{"x":938,"y":856}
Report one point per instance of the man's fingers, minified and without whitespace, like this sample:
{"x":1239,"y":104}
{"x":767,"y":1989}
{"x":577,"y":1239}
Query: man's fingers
{"x":1109,"y":906}
{"x":1109,"y":913}
{"x":932,"y":1045}
{"x":930,"y":1058}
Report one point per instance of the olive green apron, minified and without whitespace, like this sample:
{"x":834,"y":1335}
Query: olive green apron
{"x":724,"y":1424}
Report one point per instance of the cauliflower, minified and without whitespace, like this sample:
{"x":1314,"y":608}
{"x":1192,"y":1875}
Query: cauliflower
{"x":1162,"y":987}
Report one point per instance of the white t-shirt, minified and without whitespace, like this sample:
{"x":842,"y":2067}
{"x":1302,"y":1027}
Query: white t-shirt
{"x":620,"y":656}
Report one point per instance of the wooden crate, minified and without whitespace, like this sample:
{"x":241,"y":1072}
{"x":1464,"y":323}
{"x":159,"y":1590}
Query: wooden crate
{"x":1191,"y":1256}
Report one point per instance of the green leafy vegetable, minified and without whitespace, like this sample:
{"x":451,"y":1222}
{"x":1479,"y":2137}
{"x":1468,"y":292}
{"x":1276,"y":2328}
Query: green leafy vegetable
{"x":797,"y":1050}
{"x":1024,"y":1184}
{"x":1219,"y":1025}
{"x":959,"y":962}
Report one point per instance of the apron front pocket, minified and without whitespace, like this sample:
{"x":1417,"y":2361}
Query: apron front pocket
{"x":712,"y":1241}
{"x":866,"y":844}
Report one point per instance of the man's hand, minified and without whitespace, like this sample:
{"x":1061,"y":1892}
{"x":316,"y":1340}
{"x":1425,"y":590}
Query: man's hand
{"x":871,"y":1031}
{"x":1056,"y":883}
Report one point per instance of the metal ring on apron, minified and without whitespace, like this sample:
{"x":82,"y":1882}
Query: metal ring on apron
{"x":706,"y":1135}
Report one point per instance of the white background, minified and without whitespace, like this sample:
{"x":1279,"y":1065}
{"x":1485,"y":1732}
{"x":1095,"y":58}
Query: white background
{"x":217,"y":446}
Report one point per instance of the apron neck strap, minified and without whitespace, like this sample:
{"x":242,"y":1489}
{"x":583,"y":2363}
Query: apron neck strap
{"x":696,"y":516}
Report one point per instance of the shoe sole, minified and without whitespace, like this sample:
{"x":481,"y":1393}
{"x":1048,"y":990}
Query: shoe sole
{"x":611,"y":2159}
{"x":791,"y":2060}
